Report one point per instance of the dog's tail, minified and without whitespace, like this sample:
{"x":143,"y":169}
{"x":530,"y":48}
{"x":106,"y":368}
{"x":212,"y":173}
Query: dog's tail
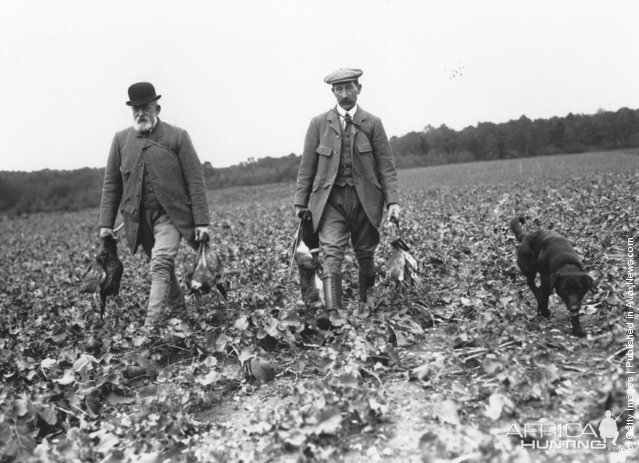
{"x":515,"y":226}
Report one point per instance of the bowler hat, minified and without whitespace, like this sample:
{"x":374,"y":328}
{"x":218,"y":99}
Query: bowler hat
{"x":343,"y":75}
{"x":141,"y":94}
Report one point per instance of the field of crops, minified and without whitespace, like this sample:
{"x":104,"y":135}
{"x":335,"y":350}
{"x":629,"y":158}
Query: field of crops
{"x":440,"y":372}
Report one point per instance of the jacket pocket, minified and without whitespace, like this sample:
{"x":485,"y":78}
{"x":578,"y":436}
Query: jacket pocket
{"x":128,"y":209}
{"x":324,"y":150}
{"x":364,"y":148}
{"x":321,"y":183}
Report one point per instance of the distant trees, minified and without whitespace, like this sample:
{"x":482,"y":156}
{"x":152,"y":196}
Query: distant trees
{"x":49,"y":190}
{"x":519,"y":138}
{"x":254,"y":172}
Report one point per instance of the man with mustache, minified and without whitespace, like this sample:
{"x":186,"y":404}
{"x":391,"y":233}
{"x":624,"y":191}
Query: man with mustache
{"x":346,"y":175}
{"x":155,"y":177}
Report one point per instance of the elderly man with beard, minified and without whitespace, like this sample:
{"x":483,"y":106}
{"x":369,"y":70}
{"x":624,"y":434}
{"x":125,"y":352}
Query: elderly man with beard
{"x":346,"y":175}
{"x":154,"y":176}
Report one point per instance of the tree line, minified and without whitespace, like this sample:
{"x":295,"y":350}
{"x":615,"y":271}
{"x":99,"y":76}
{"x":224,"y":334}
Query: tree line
{"x":51,"y":190}
{"x":519,"y":138}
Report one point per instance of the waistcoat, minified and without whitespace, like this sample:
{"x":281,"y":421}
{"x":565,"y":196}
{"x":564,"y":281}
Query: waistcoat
{"x":149,"y":200}
{"x":345,"y":170}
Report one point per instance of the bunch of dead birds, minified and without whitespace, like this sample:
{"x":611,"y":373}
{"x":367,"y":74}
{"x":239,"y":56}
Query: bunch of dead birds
{"x":105,"y":272}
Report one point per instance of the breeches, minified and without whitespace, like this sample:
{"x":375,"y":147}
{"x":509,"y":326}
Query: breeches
{"x":343,"y":218}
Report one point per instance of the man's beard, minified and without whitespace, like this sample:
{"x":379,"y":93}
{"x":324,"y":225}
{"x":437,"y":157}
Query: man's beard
{"x":144,"y":126}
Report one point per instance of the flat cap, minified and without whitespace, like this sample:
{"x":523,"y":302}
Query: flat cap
{"x":343,"y":75}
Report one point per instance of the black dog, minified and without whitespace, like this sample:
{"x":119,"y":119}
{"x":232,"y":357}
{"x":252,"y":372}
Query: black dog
{"x":553,"y":257}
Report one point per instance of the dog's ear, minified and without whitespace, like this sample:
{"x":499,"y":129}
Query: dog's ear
{"x":590,"y":283}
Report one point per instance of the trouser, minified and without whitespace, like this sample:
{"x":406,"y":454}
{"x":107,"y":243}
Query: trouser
{"x":344,"y":217}
{"x":160,"y":240}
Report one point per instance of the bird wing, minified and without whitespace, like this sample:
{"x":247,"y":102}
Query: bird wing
{"x":213,"y":261}
{"x":396,"y":264}
{"x":111,"y":283}
{"x":93,"y":278}
{"x":222,"y":290}
{"x":296,"y":242}
{"x":410,"y":268}
{"x":411,"y":262}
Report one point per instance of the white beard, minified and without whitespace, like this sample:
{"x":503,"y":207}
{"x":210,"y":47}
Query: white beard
{"x":143,"y":126}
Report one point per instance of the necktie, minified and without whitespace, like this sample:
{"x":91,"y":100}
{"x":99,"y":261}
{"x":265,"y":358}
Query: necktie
{"x":347,"y":123}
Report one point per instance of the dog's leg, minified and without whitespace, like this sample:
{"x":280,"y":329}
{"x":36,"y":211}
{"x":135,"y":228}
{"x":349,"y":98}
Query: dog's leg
{"x":526,"y":262}
{"x":530,"y":279}
{"x":577,"y":330}
{"x":545,"y":290}
{"x":533,"y":287}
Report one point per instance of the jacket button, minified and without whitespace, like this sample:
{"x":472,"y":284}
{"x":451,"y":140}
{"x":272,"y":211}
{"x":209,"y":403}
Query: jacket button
{"x":336,"y":136}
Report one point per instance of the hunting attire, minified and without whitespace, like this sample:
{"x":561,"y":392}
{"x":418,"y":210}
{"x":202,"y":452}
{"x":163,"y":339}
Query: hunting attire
{"x":156,"y":180}
{"x":346,"y":175}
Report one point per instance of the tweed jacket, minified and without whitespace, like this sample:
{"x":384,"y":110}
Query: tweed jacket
{"x":374,"y":173}
{"x":174,"y":170}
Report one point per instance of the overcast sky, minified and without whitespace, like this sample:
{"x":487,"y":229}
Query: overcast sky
{"x":245,"y":77}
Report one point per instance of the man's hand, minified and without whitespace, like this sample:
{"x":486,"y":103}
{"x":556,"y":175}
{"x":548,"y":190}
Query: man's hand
{"x":202,"y":234}
{"x":106,"y":231}
{"x":393,"y":211}
{"x":298,"y":211}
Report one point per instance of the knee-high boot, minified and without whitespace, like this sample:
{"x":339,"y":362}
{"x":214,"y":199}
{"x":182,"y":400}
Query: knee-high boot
{"x":176,"y":302}
{"x":332,"y":284}
{"x":366,"y":282}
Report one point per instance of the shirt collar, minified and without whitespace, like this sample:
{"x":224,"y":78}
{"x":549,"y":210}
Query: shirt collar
{"x":342,"y":111}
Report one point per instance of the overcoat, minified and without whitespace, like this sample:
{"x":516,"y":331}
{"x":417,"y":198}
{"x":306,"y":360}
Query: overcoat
{"x":374,"y":173}
{"x":174,"y":170}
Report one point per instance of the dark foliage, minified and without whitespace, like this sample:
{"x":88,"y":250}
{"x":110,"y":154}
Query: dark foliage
{"x":50,"y":190}
{"x":440,"y":371}
{"x":519,"y":138}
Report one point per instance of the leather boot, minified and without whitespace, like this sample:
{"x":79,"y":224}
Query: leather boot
{"x":176,"y":301}
{"x":332,"y":284}
{"x":366,"y":282}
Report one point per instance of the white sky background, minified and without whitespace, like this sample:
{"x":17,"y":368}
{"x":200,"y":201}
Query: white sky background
{"x":245,"y":77}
